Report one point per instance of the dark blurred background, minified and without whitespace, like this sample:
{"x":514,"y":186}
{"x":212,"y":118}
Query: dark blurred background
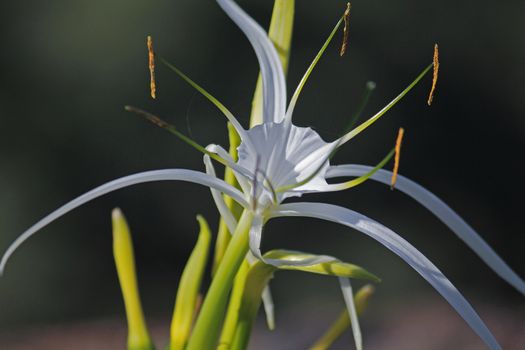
{"x":67,"y":69}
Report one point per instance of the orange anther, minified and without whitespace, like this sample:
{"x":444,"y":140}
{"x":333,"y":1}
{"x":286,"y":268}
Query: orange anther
{"x":151,"y":65}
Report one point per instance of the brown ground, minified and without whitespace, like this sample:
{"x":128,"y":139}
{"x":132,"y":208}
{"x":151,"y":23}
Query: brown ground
{"x":415,"y":327}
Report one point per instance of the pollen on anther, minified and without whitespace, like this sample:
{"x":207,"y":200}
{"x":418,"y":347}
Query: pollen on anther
{"x":346,"y":18}
{"x":151,"y":65}
{"x":399,"y":140}
{"x":435,"y":76}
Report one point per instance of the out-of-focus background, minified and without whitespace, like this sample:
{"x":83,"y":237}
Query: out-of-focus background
{"x":67,"y":69}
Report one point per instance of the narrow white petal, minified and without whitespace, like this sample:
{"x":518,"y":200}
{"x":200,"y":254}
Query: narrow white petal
{"x":444,"y":213}
{"x":242,"y":175}
{"x":223,"y":209}
{"x":402,"y":248}
{"x":148,"y":176}
{"x":274,"y":86}
{"x":348,"y":295}
{"x":255,"y":237}
{"x":269,"y":308}
{"x":255,"y":249}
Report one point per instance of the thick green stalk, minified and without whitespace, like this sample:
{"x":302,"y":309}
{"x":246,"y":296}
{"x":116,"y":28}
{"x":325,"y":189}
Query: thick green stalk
{"x":206,"y":331}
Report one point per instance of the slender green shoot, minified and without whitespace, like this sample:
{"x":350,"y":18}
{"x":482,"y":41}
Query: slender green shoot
{"x":138,"y":334}
{"x":189,"y":286}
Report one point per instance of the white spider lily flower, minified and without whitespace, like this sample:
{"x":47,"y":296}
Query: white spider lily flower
{"x":294,"y":160}
{"x":279,"y":160}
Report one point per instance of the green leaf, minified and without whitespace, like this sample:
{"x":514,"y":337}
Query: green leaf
{"x":342,"y":323}
{"x":138,"y":335}
{"x":280,"y":33}
{"x":188,"y":291}
{"x":260,"y":274}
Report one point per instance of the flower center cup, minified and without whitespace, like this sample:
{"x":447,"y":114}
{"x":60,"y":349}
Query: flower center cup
{"x":282,"y":155}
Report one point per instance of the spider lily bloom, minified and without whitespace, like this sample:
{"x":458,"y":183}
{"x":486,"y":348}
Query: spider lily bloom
{"x":279,"y":160}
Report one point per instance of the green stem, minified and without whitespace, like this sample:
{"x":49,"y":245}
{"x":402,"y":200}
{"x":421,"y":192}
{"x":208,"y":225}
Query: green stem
{"x":206,"y":331}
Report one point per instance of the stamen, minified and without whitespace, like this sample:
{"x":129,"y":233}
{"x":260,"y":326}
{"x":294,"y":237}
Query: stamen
{"x":207,"y":95}
{"x":346,"y":18}
{"x":295,"y":96}
{"x":151,"y":65}
{"x":385,"y":109}
{"x":172,"y":129}
{"x":435,"y":76}
{"x":396,"y":158}
{"x":369,"y":88}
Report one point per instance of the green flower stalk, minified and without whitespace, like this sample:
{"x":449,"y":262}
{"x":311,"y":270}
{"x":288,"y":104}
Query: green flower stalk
{"x":138,"y":335}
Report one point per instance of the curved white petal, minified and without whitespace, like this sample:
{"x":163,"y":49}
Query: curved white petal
{"x":255,"y":249}
{"x":243,"y":175}
{"x":223,"y":209}
{"x":348,"y":295}
{"x":274,"y":86}
{"x":444,"y":213}
{"x":402,"y":248}
{"x":147,"y":176}
{"x":269,"y":307}
{"x":255,"y":237}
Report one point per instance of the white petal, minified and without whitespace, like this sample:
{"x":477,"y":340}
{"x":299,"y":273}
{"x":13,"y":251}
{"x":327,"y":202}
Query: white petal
{"x":147,"y":176}
{"x":402,"y":248}
{"x":274,"y":86}
{"x":348,"y":295}
{"x":223,"y":209}
{"x":444,"y":213}
{"x":255,"y":249}
{"x":269,"y":308}
{"x":255,"y":237}
{"x":244,"y":176}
